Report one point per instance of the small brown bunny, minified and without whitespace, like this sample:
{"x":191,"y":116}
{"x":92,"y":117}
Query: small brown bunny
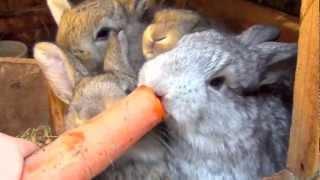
{"x":87,"y":95}
{"x":84,"y":29}
{"x":168,"y":27}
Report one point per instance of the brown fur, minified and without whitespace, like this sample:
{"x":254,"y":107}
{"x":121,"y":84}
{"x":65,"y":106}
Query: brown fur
{"x":168,"y":27}
{"x":79,"y":27}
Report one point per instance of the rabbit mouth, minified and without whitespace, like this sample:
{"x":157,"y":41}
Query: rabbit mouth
{"x":128,"y":91}
{"x":149,"y":54}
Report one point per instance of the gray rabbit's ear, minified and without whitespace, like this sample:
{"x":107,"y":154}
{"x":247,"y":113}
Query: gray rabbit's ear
{"x":280,"y":60}
{"x":116,"y":58}
{"x":274,"y":52}
{"x":282,"y":72}
{"x":258,"y":34}
{"x":57,"y":8}
{"x":60,"y":73}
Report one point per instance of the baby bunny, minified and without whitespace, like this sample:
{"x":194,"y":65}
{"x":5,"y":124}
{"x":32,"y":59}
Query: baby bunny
{"x":88,"y":95}
{"x":217,"y":133}
{"x":167,"y":27}
{"x":84,"y":29}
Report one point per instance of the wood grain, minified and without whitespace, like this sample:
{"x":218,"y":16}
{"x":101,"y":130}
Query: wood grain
{"x":240,"y":14}
{"x":28,"y":21}
{"x":282,"y":175}
{"x":303,"y":157}
{"x":23,"y":96}
{"x":57,"y":109}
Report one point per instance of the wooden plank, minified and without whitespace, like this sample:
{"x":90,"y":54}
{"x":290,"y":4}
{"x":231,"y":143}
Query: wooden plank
{"x":181,"y":3}
{"x":4,"y":5}
{"x":18,"y":60}
{"x":303,"y":156}
{"x":57,"y":109}
{"x":23,"y":96}
{"x":282,"y":175}
{"x":240,"y":14}
{"x":23,"y":23}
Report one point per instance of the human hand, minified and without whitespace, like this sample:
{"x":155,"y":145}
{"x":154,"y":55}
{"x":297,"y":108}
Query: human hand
{"x":12,"y":153}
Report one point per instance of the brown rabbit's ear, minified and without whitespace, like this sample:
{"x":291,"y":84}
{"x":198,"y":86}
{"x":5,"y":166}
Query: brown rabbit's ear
{"x":57,"y":70}
{"x":57,"y":8}
{"x":139,"y":7}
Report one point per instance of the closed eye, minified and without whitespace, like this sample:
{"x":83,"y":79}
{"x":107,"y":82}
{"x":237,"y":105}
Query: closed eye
{"x":103,"y":34}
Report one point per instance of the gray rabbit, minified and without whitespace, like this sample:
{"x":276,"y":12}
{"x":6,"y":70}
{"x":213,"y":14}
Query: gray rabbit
{"x":87,"y":95}
{"x":216,"y":132}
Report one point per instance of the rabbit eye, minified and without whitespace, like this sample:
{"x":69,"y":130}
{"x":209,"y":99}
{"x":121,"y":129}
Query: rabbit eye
{"x":103,"y":34}
{"x":217,"y":82}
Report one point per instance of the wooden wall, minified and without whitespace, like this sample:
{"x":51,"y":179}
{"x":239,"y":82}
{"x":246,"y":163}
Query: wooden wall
{"x":304,"y":151}
{"x":28,"y":21}
{"x":23,"y":96}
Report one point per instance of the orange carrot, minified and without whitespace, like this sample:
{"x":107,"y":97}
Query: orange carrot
{"x":84,"y":152}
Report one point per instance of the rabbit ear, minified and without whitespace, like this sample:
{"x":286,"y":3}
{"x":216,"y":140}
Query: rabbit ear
{"x":57,"y":8}
{"x":139,"y":7}
{"x":275,"y":52}
{"x":59,"y":72}
{"x":283,"y":71}
{"x":258,"y":34}
{"x":117,"y":54}
{"x":279,"y":60}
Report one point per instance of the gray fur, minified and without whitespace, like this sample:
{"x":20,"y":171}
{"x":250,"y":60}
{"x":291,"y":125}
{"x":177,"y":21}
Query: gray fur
{"x":216,"y":133}
{"x":257,"y":34}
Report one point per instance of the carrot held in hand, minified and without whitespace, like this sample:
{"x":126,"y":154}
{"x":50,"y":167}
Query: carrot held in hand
{"x":84,"y":152}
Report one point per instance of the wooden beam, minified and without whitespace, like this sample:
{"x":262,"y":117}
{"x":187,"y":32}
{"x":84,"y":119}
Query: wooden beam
{"x":240,"y":14}
{"x":282,"y":175}
{"x":56,"y":109}
{"x":303,"y":156}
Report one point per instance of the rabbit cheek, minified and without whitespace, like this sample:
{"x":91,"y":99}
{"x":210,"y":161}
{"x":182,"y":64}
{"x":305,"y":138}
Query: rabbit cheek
{"x":149,"y":74}
{"x":185,"y":105}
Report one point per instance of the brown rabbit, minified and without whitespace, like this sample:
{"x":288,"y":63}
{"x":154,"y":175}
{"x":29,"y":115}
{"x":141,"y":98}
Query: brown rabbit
{"x":88,"y":95}
{"x":168,"y":27}
{"x":84,"y":29}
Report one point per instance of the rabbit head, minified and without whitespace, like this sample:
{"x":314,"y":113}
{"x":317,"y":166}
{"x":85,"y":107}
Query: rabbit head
{"x":84,"y":29}
{"x":71,"y":81}
{"x":208,"y":60}
{"x":167,"y":28}
{"x":197,"y":82}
